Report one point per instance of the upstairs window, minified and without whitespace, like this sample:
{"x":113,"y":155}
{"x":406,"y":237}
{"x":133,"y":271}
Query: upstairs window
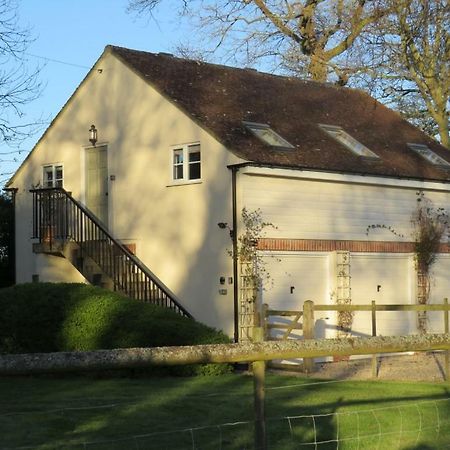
{"x":348,"y":141}
{"x":267,"y":135}
{"x":53,"y":176}
{"x":426,"y":153}
{"x":186,"y":162}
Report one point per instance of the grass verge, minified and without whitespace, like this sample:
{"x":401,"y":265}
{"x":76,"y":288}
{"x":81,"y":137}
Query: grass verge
{"x":217,"y":413}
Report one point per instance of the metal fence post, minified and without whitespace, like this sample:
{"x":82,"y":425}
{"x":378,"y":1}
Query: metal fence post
{"x":308,"y":331}
{"x":259,"y":372}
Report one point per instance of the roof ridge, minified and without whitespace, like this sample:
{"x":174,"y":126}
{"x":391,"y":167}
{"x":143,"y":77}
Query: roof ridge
{"x":255,"y":71}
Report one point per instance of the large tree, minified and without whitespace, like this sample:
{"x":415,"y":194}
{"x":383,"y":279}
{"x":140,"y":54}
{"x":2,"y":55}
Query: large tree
{"x":414,"y":62}
{"x":18,"y":85}
{"x":309,"y":36}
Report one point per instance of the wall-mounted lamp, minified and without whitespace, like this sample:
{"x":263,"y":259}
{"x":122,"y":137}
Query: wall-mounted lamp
{"x":93,"y":135}
{"x":223,"y":225}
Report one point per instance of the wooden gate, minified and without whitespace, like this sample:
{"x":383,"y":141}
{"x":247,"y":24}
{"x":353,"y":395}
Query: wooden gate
{"x":290,"y":325}
{"x":283,"y":321}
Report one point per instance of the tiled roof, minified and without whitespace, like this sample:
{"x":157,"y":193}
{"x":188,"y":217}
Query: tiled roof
{"x":220,"y":98}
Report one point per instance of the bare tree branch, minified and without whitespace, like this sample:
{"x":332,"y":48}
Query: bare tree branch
{"x":18,"y":86}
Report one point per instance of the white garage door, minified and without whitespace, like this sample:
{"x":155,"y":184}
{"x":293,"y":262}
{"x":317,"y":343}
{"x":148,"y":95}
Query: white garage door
{"x":387,"y":279}
{"x":295,"y":278}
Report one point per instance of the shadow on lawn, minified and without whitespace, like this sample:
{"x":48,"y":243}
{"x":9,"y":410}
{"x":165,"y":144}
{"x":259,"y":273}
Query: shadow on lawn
{"x":125,"y":413}
{"x":149,"y":414}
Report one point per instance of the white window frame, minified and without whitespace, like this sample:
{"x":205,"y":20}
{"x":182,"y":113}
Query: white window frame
{"x":185,"y":164}
{"x":426,"y":153}
{"x":254,"y":127}
{"x":348,"y":141}
{"x":53,"y":166}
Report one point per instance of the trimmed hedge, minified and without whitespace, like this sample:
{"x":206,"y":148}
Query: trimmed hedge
{"x":51,"y":317}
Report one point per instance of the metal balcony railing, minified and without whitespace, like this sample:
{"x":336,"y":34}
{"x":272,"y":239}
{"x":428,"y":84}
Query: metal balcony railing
{"x":58,"y":217}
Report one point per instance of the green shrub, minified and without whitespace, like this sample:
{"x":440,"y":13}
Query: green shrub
{"x":51,"y":317}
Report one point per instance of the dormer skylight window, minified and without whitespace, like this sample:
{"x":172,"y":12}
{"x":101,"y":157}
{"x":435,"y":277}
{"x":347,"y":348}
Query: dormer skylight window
{"x":348,"y":141}
{"x":429,"y":155}
{"x":267,"y":135}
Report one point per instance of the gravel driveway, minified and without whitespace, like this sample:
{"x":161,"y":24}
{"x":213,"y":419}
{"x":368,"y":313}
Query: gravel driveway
{"x":428,"y":366}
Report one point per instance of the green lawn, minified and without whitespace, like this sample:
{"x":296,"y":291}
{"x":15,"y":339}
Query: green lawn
{"x":216,"y":413}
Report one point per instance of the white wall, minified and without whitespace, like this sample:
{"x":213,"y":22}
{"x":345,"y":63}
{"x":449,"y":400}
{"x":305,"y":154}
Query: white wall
{"x":304,"y":208}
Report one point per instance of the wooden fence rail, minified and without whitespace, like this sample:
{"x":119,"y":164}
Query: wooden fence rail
{"x":217,"y":353}
{"x":308,"y":322}
{"x":373,"y":305}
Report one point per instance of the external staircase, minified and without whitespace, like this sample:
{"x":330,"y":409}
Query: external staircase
{"x":63,"y":227}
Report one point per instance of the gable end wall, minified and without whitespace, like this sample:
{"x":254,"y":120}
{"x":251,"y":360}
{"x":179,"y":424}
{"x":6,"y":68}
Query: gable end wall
{"x":174,"y":228}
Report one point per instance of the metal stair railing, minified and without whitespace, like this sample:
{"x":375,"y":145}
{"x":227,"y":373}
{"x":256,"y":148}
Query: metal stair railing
{"x":57,"y":217}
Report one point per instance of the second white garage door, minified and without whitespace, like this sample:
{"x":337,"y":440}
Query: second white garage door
{"x":387,"y":279}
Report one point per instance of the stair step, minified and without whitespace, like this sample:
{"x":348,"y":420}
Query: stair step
{"x":97,"y":279}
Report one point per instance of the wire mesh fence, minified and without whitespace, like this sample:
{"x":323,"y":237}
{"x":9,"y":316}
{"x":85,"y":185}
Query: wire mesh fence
{"x":403,"y":425}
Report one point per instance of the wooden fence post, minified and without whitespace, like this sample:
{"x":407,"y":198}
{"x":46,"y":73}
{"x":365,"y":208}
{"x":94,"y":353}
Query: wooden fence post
{"x":447,"y":354}
{"x":308,"y":331}
{"x":259,"y":369}
{"x":374,"y":333}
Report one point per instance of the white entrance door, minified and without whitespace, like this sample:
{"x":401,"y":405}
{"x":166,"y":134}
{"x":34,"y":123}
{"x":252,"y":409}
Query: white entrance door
{"x":97,"y":182}
{"x":387,"y":279}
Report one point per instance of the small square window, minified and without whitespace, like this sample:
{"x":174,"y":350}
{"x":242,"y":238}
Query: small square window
{"x":186,"y":163}
{"x":53,"y":176}
{"x":267,"y":135}
{"x":426,"y":153}
{"x":348,"y":141}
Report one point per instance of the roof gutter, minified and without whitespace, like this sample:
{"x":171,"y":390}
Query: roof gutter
{"x":336,"y":172}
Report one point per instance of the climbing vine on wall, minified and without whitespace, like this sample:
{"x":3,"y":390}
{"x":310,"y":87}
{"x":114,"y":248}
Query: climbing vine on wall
{"x":253,"y":272}
{"x":430,"y":228}
{"x":252,"y":262}
{"x":383,"y":226}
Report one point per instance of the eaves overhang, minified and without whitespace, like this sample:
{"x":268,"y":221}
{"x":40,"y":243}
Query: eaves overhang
{"x":307,"y":173}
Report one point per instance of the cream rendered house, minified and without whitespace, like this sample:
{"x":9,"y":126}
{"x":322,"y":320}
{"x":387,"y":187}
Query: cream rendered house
{"x":182,"y":146}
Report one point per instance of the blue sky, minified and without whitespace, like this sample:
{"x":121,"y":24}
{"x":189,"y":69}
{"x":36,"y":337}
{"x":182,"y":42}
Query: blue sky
{"x":76,"y":32}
